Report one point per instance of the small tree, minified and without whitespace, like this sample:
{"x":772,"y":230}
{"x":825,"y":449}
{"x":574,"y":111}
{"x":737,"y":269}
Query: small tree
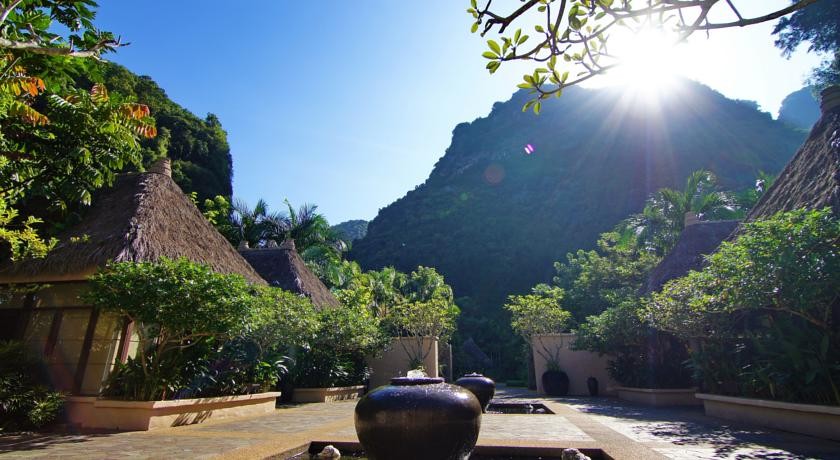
{"x":422,"y":320}
{"x":537,"y":314}
{"x":175,"y":304}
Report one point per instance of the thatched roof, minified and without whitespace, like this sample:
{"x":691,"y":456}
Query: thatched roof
{"x":284,"y":268}
{"x":812,"y":178}
{"x":697,"y":240}
{"x":143,"y":217}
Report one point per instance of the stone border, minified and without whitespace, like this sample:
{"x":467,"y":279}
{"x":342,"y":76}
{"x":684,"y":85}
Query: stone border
{"x":309,"y":395}
{"x":92,"y":413}
{"x":659,"y":396}
{"x":811,"y":419}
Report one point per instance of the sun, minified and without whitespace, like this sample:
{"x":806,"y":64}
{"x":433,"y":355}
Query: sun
{"x":645,"y":61}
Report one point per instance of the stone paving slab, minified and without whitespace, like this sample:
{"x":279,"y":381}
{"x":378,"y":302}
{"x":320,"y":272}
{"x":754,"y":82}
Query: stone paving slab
{"x":623,"y":430}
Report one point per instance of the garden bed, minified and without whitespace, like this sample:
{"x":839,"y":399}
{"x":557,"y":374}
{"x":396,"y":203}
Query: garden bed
{"x":810,"y":419}
{"x":92,"y":413}
{"x":307,"y":395}
{"x":659,"y":396}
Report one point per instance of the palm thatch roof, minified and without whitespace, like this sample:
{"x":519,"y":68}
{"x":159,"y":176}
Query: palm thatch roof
{"x":143,"y":217}
{"x":696,"y":241}
{"x":812,"y":178}
{"x":283,"y":267}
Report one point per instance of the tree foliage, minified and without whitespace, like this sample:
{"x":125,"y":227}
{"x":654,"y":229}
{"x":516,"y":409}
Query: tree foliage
{"x":537,"y":314}
{"x":175,"y":304}
{"x":818,"y":26}
{"x":763,"y":312}
{"x":571,"y":39}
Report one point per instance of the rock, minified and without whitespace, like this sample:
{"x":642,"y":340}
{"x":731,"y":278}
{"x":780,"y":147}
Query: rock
{"x":573,"y":454}
{"x":329,"y":452}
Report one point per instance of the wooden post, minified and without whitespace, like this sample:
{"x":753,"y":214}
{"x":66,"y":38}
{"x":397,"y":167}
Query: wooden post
{"x":83,"y":359}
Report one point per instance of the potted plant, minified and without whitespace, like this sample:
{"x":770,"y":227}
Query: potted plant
{"x":538,"y":315}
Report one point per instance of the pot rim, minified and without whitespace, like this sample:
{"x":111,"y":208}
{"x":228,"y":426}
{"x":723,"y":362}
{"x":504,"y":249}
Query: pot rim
{"x":410,"y":381}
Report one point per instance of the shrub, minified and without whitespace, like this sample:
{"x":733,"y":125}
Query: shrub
{"x":345,"y":336}
{"x":640,"y":356}
{"x":26,"y":402}
{"x":176,"y":305}
{"x":762,"y":316}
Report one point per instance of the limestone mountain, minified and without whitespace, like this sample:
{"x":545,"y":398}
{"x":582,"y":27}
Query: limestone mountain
{"x":351,"y":230}
{"x":515,"y":192}
{"x":800,"y":109}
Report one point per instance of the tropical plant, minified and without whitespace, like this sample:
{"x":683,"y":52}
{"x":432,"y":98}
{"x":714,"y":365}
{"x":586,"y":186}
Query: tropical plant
{"x":336,"y":355}
{"x":538,"y":314}
{"x":661,"y":222}
{"x":639,"y":355}
{"x":762,"y":315}
{"x":26,"y":401}
{"x":175,"y":304}
{"x":253,"y":226}
{"x":570,"y":38}
{"x":596,"y":280}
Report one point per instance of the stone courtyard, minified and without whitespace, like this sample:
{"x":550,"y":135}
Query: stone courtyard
{"x":622,"y":430}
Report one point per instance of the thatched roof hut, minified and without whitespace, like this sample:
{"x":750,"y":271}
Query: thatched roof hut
{"x":812,"y":178}
{"x":143,"y":217}
{"x":697,"y":240}
{"x":283,"y":267}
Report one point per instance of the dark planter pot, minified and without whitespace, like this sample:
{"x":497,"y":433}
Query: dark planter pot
{"x":418,"y":419}
{"x":555,"y":383}
{"x":592,"y":385}
{"x":482,"y":387}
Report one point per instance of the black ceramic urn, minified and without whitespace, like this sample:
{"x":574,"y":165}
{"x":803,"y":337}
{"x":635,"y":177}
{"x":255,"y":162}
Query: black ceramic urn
{"x":555,"y":383}
{"x":418,"y":419}
{"x":482,"y":387}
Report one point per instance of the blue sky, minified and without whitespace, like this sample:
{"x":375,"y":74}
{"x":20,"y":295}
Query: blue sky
{"x":348,"y":105}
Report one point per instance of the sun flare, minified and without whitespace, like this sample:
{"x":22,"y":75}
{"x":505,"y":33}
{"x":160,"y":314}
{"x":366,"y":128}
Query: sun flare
{"x":646,"y":61}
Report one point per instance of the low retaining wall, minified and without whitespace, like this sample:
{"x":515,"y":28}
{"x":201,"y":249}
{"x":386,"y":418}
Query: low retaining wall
{"x":810,"y":419}
{"x":306,"y":395}
{"x":89,"y":412}
{"x":659,"y":396}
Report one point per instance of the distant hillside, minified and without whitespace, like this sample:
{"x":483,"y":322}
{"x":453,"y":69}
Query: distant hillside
{"x":198,"y":147}
{"x":493,"y":218}
{"x":800,"y":109}
{"x":352,"y":230}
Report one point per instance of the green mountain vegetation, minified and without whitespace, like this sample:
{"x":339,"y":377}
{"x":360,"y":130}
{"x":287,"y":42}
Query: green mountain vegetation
{"x":351,"y":230}
{"x":493,"y":217}
{"x":800,"y":109}
{"x":201,"y":159}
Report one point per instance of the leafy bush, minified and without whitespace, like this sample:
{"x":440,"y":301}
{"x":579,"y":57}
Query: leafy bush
{"x":762,"y":316}
{"x":336,"y":355}
{"x":25,"y":401}
{"x":176,"y":305}
{"x":640,"y":356}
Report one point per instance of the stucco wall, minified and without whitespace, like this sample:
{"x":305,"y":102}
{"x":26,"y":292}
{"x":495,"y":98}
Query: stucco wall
{"x":578,"y":365}
{"x":394,"y":362}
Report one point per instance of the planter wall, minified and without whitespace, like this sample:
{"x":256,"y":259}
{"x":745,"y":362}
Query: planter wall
{"x":395,"y":362}
{"x":307,"y":395}
{"x":578,"y":365}
{"x":88,"y":412}
{"x":659,"y":397}
{"x":810,"y":419}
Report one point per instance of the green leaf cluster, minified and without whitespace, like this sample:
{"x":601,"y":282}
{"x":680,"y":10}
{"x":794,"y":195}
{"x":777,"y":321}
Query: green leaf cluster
{"x":763,"y":313}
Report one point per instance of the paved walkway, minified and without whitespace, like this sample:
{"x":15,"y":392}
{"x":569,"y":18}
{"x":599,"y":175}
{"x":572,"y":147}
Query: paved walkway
{"x":623,"y":430}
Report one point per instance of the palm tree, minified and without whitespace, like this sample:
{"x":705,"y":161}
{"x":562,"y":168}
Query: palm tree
{"x":659,"y":225}
{"x":253,"y":226}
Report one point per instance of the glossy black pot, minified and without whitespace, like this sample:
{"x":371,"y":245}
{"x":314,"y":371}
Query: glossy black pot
{"x":592,"y":385}
{"x":482,"y":387}
{"x":555,"y":383}
{"x":418,"y":419}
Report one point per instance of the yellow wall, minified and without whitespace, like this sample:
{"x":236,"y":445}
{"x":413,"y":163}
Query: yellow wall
{"x":394,"y":362}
